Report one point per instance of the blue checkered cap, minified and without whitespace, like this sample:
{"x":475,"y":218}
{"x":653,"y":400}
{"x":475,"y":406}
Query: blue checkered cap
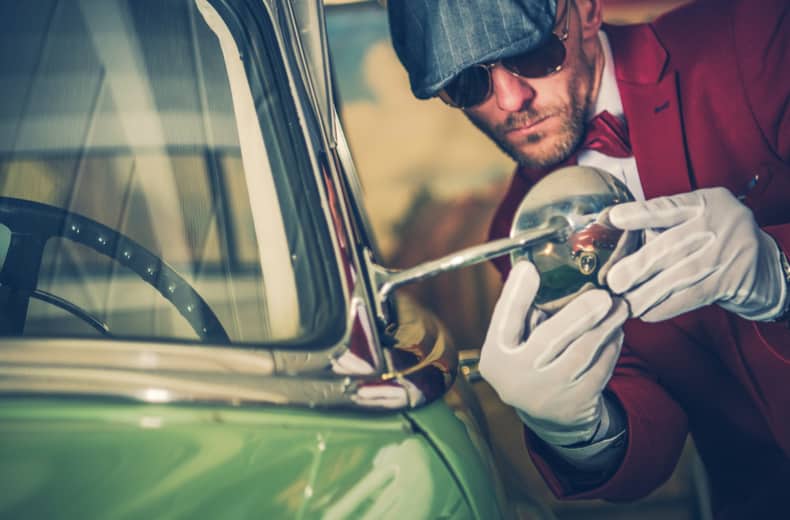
{"x":437,"y":39}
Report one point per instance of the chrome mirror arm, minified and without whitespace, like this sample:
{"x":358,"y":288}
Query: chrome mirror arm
{"x":385,"y":280}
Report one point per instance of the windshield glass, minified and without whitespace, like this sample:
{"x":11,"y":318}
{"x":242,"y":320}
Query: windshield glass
{"x":152,"y":184}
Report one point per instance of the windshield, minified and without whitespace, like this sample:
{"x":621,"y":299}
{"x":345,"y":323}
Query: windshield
{"x":152,"y":184}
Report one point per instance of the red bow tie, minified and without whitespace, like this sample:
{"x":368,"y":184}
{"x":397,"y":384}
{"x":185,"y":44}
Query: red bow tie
{"x":608,"y":135}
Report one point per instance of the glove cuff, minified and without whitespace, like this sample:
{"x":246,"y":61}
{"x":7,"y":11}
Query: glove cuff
{"x":770,"y":301}
{"x":784,"y":315}
{"x":565,"y":435}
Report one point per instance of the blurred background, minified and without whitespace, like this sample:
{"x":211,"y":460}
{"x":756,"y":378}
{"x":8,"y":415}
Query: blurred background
{"x":431,"y":184}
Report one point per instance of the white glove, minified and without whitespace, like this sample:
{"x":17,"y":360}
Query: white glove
{"x":555,"y":377}
{"x":708,"y":249}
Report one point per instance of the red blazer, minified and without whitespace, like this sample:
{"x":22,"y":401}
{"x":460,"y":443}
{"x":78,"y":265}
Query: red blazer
{"x":706,"y":93}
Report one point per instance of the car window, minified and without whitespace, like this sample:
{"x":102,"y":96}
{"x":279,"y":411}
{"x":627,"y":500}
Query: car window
{"x":151,"y":126}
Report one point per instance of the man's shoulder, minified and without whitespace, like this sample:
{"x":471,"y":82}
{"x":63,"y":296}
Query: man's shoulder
{"x":718,"y":33}
{"x":699,"y":24}
{"x":696,"y":21}
{"x":702,"y":35}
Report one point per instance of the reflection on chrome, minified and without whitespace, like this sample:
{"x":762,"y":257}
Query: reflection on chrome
{"x":156,"y":395}
{"x":419,"y":368}
{"x":582,"y":197}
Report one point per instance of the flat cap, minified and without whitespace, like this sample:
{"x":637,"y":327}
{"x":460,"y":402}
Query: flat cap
{"x":437,"y":39}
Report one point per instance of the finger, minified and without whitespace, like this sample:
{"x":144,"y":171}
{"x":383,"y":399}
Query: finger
{"x":628,"y":242}
{"x":583,"y":313}
{"x":583,"y":353}
{"x":535,"y":317}
{"x":661,"y":212}
{"x":596,"y":378}
{"x":507,"y":321}
{"x":651,"y":234}
{"x":671,"y":291}
{"x":669,"y":249}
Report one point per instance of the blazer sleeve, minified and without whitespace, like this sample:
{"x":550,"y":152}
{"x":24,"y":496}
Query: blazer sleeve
{"x":656,"y":432}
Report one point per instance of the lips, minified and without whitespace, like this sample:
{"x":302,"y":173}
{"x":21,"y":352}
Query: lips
{"x":524,"y":128}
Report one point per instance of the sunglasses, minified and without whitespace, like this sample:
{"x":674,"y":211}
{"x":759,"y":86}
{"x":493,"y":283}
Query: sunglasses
{"x":473,"y":85}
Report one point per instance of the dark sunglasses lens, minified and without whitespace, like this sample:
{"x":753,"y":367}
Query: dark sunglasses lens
{"x":539,"y":62}
{"x":469,"y":88}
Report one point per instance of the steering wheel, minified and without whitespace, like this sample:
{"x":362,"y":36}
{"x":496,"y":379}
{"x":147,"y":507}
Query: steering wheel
{"x":33,"y":223}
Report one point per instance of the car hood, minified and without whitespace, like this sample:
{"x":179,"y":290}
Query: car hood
{"x":75,"y":458}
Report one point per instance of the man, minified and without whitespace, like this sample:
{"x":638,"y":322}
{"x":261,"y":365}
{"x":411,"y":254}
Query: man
{"x":696,"y":108}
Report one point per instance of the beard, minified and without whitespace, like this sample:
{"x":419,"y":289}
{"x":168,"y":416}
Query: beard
{"x":573,"y":117}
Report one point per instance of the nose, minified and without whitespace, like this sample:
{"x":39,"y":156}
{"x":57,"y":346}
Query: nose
{"x":512,"y":93}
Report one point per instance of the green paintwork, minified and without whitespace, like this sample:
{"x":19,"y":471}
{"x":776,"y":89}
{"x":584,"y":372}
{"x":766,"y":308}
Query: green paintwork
{"x":455,"y":435}
{"x":86,"y":459}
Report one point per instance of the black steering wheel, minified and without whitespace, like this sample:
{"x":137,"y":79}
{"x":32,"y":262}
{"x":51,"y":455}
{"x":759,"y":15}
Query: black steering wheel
{"x":33,"y":223}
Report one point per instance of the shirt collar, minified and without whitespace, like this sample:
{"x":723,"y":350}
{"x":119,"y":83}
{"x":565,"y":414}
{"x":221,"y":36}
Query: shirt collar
{"x":608,"y":94}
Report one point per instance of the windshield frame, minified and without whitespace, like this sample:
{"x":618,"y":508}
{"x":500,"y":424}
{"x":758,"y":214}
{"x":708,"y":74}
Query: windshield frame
{"x":266,"y":62}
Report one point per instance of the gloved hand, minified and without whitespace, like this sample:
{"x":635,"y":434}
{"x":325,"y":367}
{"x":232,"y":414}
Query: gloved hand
{"x":557,"y":375}
{"x":708,"y":249}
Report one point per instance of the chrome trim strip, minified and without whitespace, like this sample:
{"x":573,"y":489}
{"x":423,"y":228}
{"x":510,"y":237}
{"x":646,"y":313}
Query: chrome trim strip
{"x":164,"y":388}
{"x":320,"y":89}
{"x":354,"y":184}
{"x":135,"y":356}
{"x":177,"y":373}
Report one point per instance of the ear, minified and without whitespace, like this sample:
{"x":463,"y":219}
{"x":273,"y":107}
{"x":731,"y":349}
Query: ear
{"x":590,"y":17}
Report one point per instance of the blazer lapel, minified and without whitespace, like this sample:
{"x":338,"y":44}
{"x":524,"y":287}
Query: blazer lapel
{"x":648,"y":88}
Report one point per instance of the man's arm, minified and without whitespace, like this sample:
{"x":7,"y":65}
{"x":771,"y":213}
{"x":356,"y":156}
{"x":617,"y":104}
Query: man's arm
{"x":704,"y":247}
{"x":656,"y":430}
{"x":604,"y":452}
{"x":555,"y":372}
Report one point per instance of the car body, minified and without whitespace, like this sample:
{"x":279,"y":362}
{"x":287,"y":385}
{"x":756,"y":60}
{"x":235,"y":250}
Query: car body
{"x":194,"y":321}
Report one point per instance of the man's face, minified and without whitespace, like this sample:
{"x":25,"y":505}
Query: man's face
{"x":539,"y":122}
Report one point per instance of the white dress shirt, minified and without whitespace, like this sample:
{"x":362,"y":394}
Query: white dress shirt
{"x":609,"y":99}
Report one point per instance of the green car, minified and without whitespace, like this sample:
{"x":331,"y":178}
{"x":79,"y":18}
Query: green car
{"x":194,"y":321}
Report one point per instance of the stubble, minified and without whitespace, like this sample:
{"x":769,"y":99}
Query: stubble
{"x":573,"y":117}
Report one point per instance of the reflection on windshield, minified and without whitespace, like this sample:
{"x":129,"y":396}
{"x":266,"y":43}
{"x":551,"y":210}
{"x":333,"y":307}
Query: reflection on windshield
{"x":139,"y":115}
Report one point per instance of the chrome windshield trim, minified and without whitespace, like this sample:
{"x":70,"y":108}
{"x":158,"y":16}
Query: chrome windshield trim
{"x":166,"y":388}
{"x":313,"y":50}
{"x":280,"y":18}
{"x":109,"y":355}
{"x":354,"y":185}
{"x":175,"y":373}
{"x":330,"y":141}
{"x":284,"y":31}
